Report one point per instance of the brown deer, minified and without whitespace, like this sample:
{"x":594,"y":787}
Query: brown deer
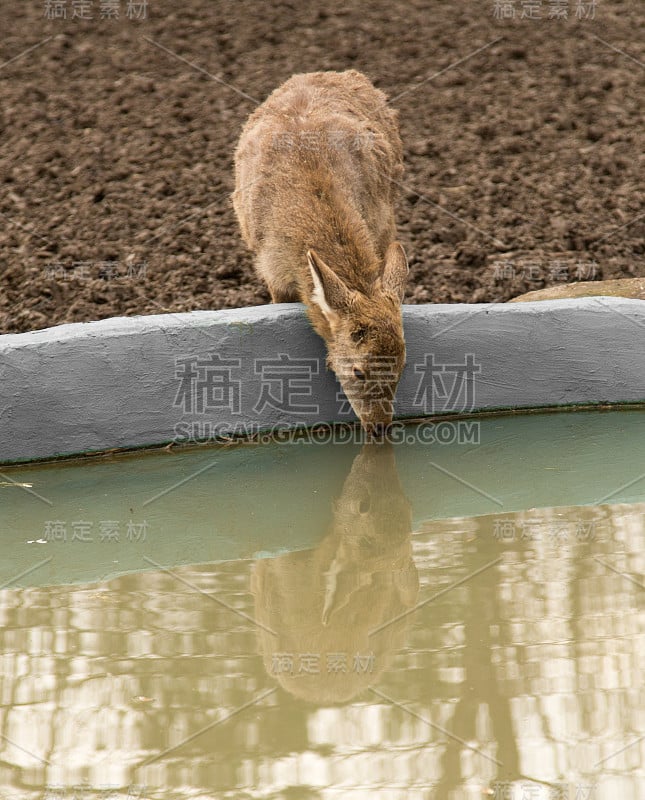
{"x":316,"y":172}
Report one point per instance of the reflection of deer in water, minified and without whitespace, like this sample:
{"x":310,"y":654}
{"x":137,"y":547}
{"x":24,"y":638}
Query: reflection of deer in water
{"x":323,"y":603}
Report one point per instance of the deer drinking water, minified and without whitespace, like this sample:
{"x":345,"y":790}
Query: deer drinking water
{"x":316,"y":172}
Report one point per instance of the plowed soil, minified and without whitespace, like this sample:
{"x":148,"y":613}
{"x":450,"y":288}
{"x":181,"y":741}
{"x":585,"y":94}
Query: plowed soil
{"x":523,"y":143}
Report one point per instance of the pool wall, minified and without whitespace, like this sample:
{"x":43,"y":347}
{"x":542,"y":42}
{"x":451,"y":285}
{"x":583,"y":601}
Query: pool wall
{"x":147,"y":381}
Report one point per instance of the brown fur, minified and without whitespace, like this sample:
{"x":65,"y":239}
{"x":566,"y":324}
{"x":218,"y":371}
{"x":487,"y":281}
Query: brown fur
{"x":316,"y":170}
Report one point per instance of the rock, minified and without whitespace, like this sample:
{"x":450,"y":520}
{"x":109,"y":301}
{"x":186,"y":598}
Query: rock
{"x":624,"y":287}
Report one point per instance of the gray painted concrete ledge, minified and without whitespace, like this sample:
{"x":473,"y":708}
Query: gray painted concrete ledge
{"x":145,"y":381}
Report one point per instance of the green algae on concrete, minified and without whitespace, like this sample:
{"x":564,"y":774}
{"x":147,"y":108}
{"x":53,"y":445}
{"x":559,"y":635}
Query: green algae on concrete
{"x":633,"y":288}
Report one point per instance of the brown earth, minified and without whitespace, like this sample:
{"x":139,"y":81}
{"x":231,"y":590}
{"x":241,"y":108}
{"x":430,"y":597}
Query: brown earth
{"x":523,"y":160}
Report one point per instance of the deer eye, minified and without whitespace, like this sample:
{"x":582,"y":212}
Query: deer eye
{"x":359,"y":334}
{"x":358,"y":373}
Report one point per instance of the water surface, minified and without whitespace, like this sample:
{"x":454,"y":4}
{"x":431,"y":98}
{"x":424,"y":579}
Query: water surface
{"x":386,"y":654}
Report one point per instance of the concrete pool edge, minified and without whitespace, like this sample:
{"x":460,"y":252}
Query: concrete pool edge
{"x":117,"y":383}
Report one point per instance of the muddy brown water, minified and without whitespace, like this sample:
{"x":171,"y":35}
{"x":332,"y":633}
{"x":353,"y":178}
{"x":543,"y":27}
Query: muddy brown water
{"x":469,"y":657}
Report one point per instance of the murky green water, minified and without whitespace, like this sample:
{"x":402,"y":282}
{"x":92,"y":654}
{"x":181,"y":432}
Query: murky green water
{"x":366,"y":641}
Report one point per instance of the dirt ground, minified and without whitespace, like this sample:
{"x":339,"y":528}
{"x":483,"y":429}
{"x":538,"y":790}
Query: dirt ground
{"x":523,"y":144}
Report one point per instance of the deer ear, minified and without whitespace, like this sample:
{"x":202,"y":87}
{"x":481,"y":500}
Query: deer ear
{"x":330,"y":294}
{"x":395,"y":271}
